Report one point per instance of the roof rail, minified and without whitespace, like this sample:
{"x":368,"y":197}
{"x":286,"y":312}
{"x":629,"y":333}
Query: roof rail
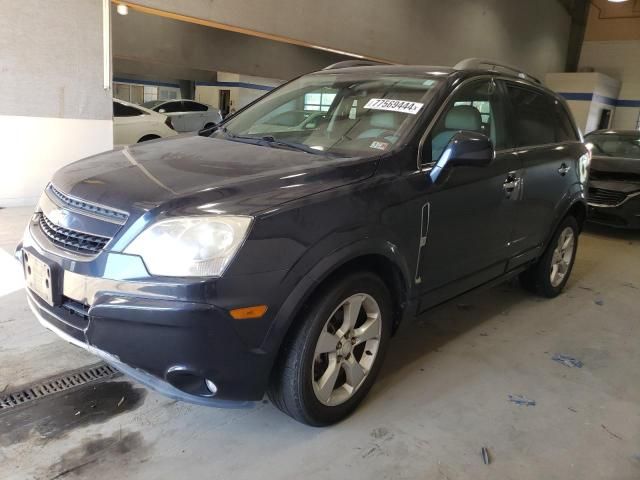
{"x":484,"y":63}
{"x":352,"y":63}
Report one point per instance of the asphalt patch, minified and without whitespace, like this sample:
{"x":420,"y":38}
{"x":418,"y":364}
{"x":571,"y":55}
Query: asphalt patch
{"x":122,"y":447}
{"x":54,"y":416}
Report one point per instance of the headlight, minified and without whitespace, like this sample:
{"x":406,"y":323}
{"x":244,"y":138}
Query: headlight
{"x":190,"y":246}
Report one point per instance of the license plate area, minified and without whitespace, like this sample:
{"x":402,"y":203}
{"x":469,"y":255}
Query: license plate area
{"x":40,"y":277}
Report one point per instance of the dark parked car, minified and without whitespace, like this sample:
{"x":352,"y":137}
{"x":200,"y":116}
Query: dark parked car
{"x":217,"y":267}
{"x":614,"y":178}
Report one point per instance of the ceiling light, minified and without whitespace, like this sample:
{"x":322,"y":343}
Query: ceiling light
{"x":122,"y":9}
{"x":617,"y":1}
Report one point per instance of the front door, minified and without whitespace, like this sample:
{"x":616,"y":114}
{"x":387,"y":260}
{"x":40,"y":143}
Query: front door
{"x":469,"y":212}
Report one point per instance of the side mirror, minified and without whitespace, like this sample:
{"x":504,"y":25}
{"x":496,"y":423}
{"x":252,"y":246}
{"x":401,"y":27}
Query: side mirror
{"x":469,"y":149}
{"x":162,"y":110}
{"x":466,"y":148}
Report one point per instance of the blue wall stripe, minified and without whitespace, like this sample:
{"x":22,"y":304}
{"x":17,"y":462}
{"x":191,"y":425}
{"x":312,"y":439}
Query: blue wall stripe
{"x":601,"y":99}
{"x":628,"y":103}
{"x":577,"y":96}
{"x":253,"y":86}
{"x":146,"y":82}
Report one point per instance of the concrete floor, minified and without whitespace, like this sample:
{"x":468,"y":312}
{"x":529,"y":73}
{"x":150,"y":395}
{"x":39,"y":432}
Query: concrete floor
{"x":443,"y":395}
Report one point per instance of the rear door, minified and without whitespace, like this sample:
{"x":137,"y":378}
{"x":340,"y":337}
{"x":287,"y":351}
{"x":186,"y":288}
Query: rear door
{"x":546,"y":143}
{"x":195,"y":114}
{"x":173,"y":109}
{"x":129,"y":124}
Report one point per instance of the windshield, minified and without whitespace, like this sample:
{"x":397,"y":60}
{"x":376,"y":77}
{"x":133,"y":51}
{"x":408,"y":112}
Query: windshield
{"x":331,"y":113}
{"x":613,"y":145}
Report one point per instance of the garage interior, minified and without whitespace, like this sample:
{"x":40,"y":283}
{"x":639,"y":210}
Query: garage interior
{"x":493,"y":384}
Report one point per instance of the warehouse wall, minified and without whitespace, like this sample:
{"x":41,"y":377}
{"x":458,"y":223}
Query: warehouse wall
{"x":588,"y":95}
{"x":533,"y":34}
{"x":243,"y":89}
{"x":53,"y":107}
{"x":620,"y":60}
{"x":160,"y":45}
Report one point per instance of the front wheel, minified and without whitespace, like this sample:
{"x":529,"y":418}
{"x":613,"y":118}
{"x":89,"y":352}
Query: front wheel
{"x":331,"y":359}
{"x":551,"y":273}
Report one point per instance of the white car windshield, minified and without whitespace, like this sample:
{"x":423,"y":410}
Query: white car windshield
{"x":612,"y":145}
{"x":344,"y":114}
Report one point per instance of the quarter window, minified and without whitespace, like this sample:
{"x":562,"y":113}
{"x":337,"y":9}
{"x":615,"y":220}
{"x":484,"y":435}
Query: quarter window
{"x":566,"y":132}
{"x":120,"y":110}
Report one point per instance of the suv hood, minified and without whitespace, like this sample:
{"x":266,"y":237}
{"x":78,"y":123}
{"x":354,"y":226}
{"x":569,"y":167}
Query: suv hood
{"x":615,"y":173}
{"x":186,"y":173}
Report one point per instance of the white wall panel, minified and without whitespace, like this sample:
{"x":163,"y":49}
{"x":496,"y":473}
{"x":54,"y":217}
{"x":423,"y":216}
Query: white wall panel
{"x":33,"y":148}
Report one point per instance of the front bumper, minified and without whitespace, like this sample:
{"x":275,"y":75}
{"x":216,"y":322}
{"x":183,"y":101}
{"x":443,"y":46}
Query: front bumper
{"x":169,"y":334}
{"x":49,"y":320}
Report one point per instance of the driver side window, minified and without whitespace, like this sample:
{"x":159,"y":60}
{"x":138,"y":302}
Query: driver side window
{"x":475,"y":107}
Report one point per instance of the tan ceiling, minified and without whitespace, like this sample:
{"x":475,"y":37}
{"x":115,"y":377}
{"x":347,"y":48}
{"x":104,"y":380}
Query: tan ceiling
{"x":613,"y":21}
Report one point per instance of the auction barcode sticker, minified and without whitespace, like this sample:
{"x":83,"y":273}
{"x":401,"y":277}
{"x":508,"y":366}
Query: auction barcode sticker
{"x":394,"y":105}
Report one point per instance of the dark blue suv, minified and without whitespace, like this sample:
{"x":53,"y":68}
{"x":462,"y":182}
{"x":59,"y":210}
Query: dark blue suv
{"x":259,"y":256}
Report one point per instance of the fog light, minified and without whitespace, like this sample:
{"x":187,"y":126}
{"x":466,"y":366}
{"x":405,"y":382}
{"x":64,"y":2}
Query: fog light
{"x":211,"y":386}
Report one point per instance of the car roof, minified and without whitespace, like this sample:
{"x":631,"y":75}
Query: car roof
{"x":448,"y":73}
{"x":392,"y":69}
{"x":629,"y":133}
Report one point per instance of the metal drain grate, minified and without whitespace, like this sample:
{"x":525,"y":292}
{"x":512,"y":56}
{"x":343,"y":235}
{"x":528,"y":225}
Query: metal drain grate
{"x":73,"y":379}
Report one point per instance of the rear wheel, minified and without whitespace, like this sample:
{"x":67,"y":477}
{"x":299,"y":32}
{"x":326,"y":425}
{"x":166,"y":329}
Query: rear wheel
{"x":551,"y":273}
{"x":331,"y":359}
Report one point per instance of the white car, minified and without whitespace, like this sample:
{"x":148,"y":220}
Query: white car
{"x":134,"y":124}
{"x":186,"y":115}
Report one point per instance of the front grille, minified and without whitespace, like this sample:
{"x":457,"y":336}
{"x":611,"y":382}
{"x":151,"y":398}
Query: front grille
{"x":603,"y":196}
{"x":77,"y":204}
{"x":76,"y":309}
{"x":72,"y":240}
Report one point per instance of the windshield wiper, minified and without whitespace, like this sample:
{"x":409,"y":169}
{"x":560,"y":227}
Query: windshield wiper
{"x":273,"y":142}
{"x":292,"y":146}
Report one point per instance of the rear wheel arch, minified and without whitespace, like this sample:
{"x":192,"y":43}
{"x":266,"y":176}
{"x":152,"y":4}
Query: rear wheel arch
{"x":579,"y":211}
{"x":149,"y":137}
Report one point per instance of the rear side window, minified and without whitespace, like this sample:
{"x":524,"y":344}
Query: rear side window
{"x":534,"y":114}
{"x":194,"y":107}
{"x":170,"y":107}
{"x":120,"y":110}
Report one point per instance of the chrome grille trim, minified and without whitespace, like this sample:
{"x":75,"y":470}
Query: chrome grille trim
{"x":99,"y":211}
{"x":74,"y":241}
{"x":610,"y":198}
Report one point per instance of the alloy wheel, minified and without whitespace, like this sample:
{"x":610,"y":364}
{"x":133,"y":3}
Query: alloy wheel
{"x":346,"y":349}
{"x":562,"y":256}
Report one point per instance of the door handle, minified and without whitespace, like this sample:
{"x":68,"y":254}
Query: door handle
{"x":564,"y":169}
{"x":511,"y":183}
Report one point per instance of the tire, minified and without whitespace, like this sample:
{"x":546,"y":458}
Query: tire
{"x":541,"y":278}
{"x":146,"y":138}
{"x":299,"y":373}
